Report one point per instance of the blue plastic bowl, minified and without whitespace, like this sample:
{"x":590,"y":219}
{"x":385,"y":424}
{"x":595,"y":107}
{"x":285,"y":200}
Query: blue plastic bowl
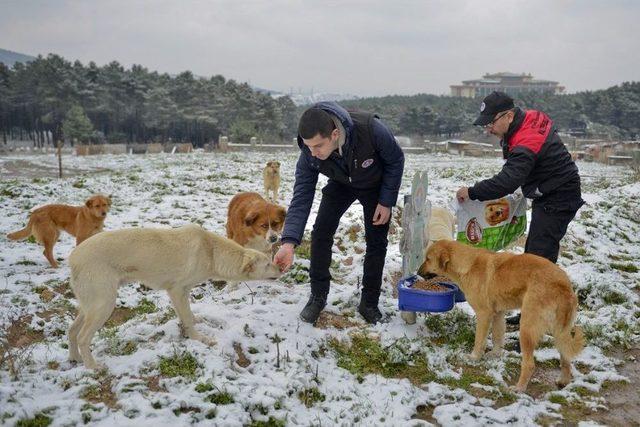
{"x":410,"y":299}
{"x":460,"y":295}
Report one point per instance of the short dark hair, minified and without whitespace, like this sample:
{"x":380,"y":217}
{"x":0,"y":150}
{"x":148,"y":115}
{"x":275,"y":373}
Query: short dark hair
{"x":315,"y":121}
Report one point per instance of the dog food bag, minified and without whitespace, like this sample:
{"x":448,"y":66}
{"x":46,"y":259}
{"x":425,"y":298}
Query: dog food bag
{"x":492,"y":224}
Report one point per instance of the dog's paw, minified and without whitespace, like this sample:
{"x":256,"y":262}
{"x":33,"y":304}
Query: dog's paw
{"x":474,"y":357}
{"x":203,"y":339}
{"x":517,"y":388}
{"x":562,"y":382}
{"x":95,"y":366}
{"x":495,"y":354}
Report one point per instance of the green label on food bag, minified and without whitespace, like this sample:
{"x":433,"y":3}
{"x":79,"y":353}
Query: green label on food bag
{"x":492,"y":238}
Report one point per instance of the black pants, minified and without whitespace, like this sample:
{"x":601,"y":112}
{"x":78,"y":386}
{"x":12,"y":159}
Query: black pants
{"x":549,"y":220}
{"x":336,"y":199}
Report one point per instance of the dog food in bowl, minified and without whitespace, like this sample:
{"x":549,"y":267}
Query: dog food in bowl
{"x":429,"y":285}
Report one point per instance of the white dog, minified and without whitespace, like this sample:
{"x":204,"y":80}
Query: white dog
{"x":172,"y":259}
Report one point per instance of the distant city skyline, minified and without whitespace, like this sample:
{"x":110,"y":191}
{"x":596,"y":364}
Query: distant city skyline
{"x":382,"y":49}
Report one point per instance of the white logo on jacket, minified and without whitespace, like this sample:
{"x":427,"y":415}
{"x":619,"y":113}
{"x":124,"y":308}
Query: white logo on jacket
{"x":482,"y":107}
{"x":367,"y":163}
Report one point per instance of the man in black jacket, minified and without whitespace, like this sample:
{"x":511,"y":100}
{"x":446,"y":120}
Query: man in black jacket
{"x":537,"y":161}
{"x":363,"y":162}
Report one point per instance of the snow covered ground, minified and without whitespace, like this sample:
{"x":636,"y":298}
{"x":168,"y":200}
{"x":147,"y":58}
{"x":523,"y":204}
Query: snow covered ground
{"x":269,"y":368}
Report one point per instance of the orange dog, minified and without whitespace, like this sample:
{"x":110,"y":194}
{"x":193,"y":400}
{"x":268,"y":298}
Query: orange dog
{"x":253,"y":222}
{"x":496,"y":282}
{"x":81,"y":222}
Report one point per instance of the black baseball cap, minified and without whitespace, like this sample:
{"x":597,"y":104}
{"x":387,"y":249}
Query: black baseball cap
{"x":492,"y":104}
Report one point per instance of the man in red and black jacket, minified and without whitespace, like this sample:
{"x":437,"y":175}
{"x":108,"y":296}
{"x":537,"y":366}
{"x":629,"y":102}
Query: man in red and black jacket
{"x":537,"y":161}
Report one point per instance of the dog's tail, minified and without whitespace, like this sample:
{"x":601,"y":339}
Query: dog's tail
{"x":21,"y":234}
{"x":569,"y":337}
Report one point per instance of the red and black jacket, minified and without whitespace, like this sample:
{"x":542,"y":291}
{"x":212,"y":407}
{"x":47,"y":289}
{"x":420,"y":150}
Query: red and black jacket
{"x":537,"y":161}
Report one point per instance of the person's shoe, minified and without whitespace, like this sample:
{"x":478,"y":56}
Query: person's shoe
{"x":514,"y":320}
{"x":315,"y":305}
{"x":370,"y":313}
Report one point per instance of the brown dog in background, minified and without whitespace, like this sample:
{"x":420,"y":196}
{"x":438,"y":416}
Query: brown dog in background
{"x":271,"y":175}
{"x":253,"y":222}
{"x":81,"y":222}
{"x":496,"y":282}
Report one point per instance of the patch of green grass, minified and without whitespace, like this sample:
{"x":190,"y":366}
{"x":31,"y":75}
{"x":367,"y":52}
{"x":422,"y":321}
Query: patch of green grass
{"x":309,"y":396}
{"x":40,"y":420}
{"x":203,"y":387}
{"x":145,"y":306}
{"x":613,"y":297}
{"x":303,"y":250}
{"x":271,"y":422}
{"x":220,"y":398}
{"x":454,"y":328}
{"x":31,"y":239}
{"x":559,"y":399}
{"x":26,"y":262}
{"x":179,"y":365}
{"x":580,"y":251}
{"x":366,"y":355}
{"x":566,"y":255}
{"x":629,"y":268}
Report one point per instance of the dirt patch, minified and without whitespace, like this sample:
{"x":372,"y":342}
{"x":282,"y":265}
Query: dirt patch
{"x":101,"y":393}
{"x":623,"y":399}
{"x":153,"y":384}
{"x":16,"y":169}
{"x":338,"y":321}
{"x":19,"y":334}
{"x":119,"y":316}
{"x":242,"y":359}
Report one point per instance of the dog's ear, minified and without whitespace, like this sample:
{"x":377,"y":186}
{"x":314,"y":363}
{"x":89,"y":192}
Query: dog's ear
{"x":444,"y":257}
{"x":277,"y":164}
{"x":251,"y":217}
{"x":89,"y":202}
{"x":282,"y":213}
{"x":249,"y":265}
{"x":109,"y":199}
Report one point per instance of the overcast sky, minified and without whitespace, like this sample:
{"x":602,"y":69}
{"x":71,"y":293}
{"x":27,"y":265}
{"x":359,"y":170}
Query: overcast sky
{"x":375,"y":47}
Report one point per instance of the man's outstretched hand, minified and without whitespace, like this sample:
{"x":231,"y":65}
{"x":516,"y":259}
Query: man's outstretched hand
{"x":284,"y":257}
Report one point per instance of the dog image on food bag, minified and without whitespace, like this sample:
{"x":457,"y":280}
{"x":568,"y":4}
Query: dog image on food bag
{"x":496,"y":212}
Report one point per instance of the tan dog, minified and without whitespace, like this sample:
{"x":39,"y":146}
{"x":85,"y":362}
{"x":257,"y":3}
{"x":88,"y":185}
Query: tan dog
{"x":81,"y":222}
{"x":496,"y":212}
{"x":172,"y":259}
{"x":253,"y":222}
{"x":271,"y":175}
{"x":496,"y":282}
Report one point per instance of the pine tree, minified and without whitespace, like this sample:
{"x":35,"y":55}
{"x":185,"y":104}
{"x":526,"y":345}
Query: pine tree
{"x":77,"y":126}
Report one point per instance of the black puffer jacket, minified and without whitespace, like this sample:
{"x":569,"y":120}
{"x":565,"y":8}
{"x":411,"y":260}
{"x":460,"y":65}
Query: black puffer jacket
{"x":537,"y":161}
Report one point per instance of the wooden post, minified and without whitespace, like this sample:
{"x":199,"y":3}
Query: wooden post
{"x":415,"y":217}
{"x":60,"y":159}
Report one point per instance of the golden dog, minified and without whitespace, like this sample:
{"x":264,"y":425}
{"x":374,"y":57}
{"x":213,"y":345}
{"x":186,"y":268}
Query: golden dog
{"x":172,"y":259}
{"x":271,"y":175}
{"x":496,"y":282}
{"x":81,"y":222}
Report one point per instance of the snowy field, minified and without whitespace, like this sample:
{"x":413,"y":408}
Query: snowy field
{"x":269,"y":368}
